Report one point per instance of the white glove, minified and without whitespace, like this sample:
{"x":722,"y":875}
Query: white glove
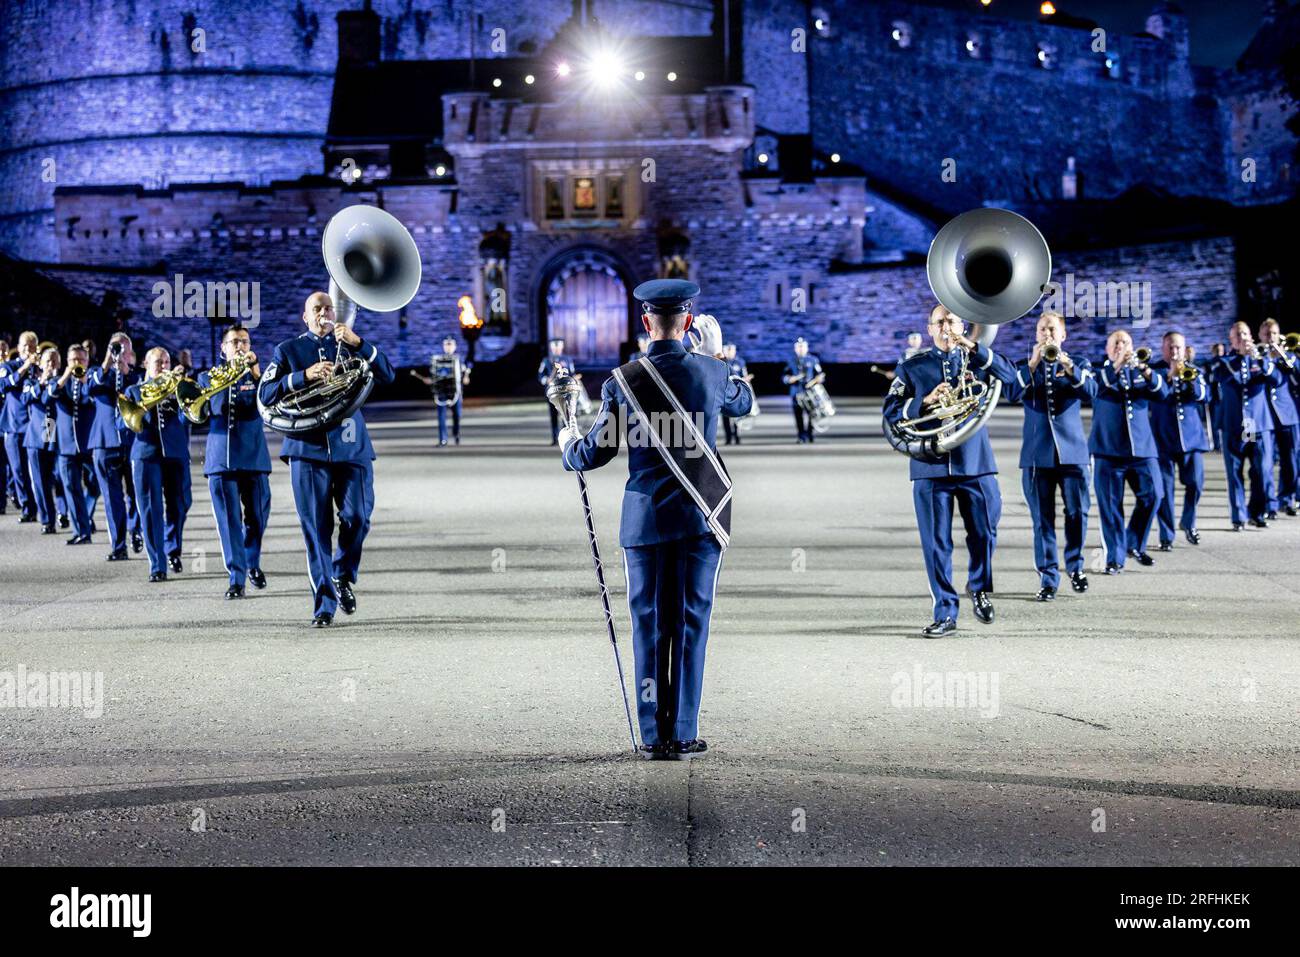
{"x":568,"y":435}
{"x":708,"y":333}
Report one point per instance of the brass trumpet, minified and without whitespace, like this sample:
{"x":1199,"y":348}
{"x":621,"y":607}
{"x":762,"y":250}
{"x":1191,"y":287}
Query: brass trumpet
{"x":1291,"y":341}
{"x":1188,"y":373}
{"x":153,"y":393}
{"x":1051,"y":352}
{"x":220,"y":378}
{"x":78,"y":371}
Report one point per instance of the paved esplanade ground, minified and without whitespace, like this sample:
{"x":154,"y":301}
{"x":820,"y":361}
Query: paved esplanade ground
{"x":475,"y":684}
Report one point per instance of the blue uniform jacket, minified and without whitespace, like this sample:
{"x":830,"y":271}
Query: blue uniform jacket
{"x":736,"y":367}
{"x":13,"y":413}
{"x":105,"y":386}
{"x":349,"y":441}
{"x":655,"y":506}
{"x":75,"y":411}
{"x":165,"y":435}
{"x":1280,"y":399}
{"x":1177,"y":419}
{"x":917,"y":377}
{"x":236,"y":439}
{"x":550,"y":364}
{"x":807,"y":369}
{"x":1244,"y":382}
{"x":1121,"y":420}
{"x":42,"y":431}
{"x":1053,"y":433}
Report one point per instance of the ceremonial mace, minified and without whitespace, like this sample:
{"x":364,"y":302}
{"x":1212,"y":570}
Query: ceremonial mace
{"x":563,"y":393}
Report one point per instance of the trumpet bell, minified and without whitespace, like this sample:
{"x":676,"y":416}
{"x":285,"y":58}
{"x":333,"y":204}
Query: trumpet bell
{"x":989,"y":266}
{"x":371,"y":259}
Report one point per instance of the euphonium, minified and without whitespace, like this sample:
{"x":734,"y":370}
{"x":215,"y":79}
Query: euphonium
{"x":220,"y":378}
{"x":152,"y":393}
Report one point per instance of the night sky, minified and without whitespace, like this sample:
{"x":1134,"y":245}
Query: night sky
{"x":1220,"y":29}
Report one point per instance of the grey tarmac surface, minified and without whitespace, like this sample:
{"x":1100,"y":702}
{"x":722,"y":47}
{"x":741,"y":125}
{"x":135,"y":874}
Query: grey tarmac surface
{"x":468,"y":713}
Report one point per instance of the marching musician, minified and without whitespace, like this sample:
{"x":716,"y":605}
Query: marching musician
{"x":124,"y":432}
{"x":1215,"y":425}
{"x":14,"y":373}
{"x":967,"y":475}
{"x":160,"y":468}
{"x":105,"y":383}
{"x":802,"y":372}
{"x":555,"y":362}
{"x":328,"y":467}
{"x":642,"y":347}
{"x":1286,"y":422}
{"x":6,"y":474}
{"x":1054,"y":450}
{"x":737,"y":369}
{"x":1178,"y":424}
{"x":1123,"y":449}
{"x":41,"y":441}
{"x":448,"y":379}
{"x":1246,"y":420}
{"x":676,"y":510}
{"x":75,"y":415}
{"x":238,"y":466}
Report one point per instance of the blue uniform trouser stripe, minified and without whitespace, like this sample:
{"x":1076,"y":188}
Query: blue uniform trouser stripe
{"x":979,"y":501}
{"x":318,"y":489}
{"x":109,"y":465}
{"x":1286,"y":450}
{"x":42,"y":464}
{"x":241,"y":503}
{"x":671,"y":588}
{"x":1259,"y":454}
{"x":21,"y":478}
{"x":72,"y":472}
{"x":1190,"y":470}
{"x":1040,"y":485}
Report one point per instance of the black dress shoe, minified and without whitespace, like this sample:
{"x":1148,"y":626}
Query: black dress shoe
{"x":49,"y":529}
{"x":78,"y":540}
{"x":257,"y":578}
{"x":1290,"y":510}
{"x":157,"y":576}
{"x":234,"y":591}
{"x":347,"y":600}
{"x":1114,"y":568}
{"x":27,"y":517}
{"x":65,"y":522}
{"x":939,"y":627}
{"x":1142,"y":558}
{"x":1079,"y":582}
{"x":1259,"y":523}
{"x":117,"y":555}
{"x":690,"y":748}
{"x":1238,"y":526}
{"x":1166,"y":546}
{"x":657,"y":752}
{"x":1046,"y":593}
{"x":1192,"y":535}
{"x":983,"y":606}
{"x":1271,"y":515}
{"x":174,"y":563}
{"x":137,"y":542}
{"x":323,"y":620}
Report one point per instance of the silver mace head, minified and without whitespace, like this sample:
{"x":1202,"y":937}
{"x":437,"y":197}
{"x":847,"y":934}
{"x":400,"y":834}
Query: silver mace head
{"x":563,"y":394}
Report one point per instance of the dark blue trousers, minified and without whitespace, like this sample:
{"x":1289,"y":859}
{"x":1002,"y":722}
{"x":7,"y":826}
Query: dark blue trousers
{"x":163,"y":487}
{"x":1259,"y":454}
{"x":1109,"y":474}
{"x":1040,"y":485}
{"x":670,"y":592}
{"x":72,"y":472}
{"x":979,"y":500}
{"x":42,"y":464}
{"x":241,"y":504}
{"x":1191,"y":473}
{"x":454,"y":408}
{"x":21,"y":486}
{"x":110,"y":465}
{"x":318,"y":489}
{"x":1286,"y":450}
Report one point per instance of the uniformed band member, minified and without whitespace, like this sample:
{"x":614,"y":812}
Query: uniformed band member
{"x":14,"y":373}
{"x":238,"y":468}
{"x":75,"y":414}
{"x":676,"y":509}
{"x":555,"y":361}
{"x":41,"y":442}
{"x":1123,"y":449}
{"x":134,"y":524}
{"x":642,"y":347}
{"x":331,"y":468}
{"x":1286,"y":421}
{"x":803,"y":371}
{"x":966,"y":476}
{"x":1246,"y":421}
{"x":448,"y":378}
{"x":105,"y":383}
{"x":160,"y":469}
{"x":1054,"y":452}
{"x":1178,"y":425}
{"x":737,"y":369}
{"x":1215,"y":425}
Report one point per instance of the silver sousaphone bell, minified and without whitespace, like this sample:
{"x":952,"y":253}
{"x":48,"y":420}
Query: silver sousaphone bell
{"x":989,"y":267}
{"x":374,"y":264}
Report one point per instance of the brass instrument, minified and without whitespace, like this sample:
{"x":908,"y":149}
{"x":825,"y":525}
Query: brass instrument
{"x":220,"y":378}
{"x":1142,"y":355}
{"x":78,"y":371}
{"x":373,"y":263}
{"x":1188,"y":373}
{"x":989,"y":267}
{"x":1051,"y":352}
{"x":167,"y":385}
{"x":1291,"y":341}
